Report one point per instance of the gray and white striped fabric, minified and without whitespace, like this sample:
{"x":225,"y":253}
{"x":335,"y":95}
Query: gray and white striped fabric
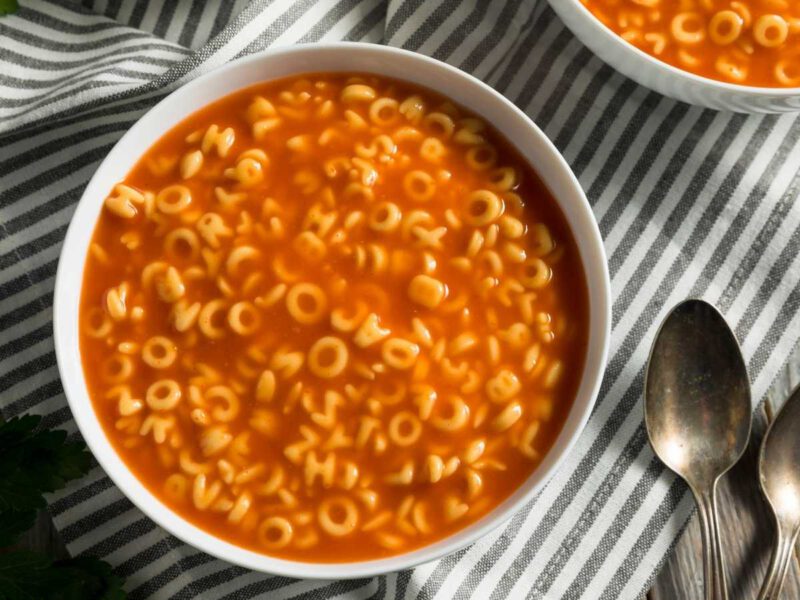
{"x":690,"y":203}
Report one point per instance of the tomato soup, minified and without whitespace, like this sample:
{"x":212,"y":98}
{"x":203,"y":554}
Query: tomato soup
{"x":332,"y":318}
{"x":747,"y":42}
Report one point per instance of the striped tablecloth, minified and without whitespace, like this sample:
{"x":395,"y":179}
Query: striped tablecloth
{"x":690,"y":203}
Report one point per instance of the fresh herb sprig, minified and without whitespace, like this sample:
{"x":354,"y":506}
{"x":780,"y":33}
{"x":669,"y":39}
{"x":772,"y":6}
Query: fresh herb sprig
{"x":8,"y":7}
{"x":34,"y":462}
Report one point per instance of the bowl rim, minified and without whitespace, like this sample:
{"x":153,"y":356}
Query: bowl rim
{"x":68,"y":286}
{"x":580,"y":9}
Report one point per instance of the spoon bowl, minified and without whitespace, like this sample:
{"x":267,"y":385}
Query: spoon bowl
{"x":698,"y":412}
{"x":779,"y":475}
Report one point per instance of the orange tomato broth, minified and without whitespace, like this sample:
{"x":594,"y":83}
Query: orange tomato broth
{"x":559,"y":327}
{"x":746,"y":42}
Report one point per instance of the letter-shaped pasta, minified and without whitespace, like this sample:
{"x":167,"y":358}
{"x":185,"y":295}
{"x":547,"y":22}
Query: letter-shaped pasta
{"x":221,"y":140}
{"x":191,"y":163}
{"x":503,"y":386}
{"x":427,"y":291}
{"x":358,"y":92}
{"x":306,"y":303}
{"x":507,"y":417}
{"x":116,"y":298}
{"x":169,"y":285}
{"x":328,"y":357}
{"x":159,"y":352}
{"x":337,"y":516}
{"x":370,"y":332}
{"x":122,"y":202}
{"x":399,"y":353}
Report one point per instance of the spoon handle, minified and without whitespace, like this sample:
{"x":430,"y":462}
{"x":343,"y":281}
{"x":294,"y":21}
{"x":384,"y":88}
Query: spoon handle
{"x":713,"y":567}
{"x":779,"y":565}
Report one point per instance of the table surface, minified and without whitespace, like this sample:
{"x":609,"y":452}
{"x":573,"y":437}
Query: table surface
{"x":747,"y":530}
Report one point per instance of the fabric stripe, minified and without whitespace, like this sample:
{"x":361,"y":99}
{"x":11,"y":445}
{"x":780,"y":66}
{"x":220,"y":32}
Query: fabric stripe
{"x":689,"y":202}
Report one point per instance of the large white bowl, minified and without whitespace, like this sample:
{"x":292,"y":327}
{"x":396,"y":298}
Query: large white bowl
{"x":462,"y":88}
{"x":666,"y":79}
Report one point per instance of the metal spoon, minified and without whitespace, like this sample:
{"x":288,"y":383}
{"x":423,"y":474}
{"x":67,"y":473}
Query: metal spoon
{"x":697,"y":412}
{"x":779,"y":473}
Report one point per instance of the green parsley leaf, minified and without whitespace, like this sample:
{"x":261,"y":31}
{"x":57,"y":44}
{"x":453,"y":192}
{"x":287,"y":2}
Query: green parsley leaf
{"x":8,"y":7}
{"x":13,"y":523}
{"x":33,"y":463}
{"x":31,"y":576}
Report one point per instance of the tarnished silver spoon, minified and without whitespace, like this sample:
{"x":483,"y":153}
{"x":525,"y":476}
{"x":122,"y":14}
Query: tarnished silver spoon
{"x":779,"y":473}
{"x":697,"y":412}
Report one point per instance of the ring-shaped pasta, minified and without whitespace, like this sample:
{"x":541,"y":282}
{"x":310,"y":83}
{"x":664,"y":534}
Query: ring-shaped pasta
{"x":244,"y":318}
{"x":275,"y":533}
{"x":97,"y":323}
{"x":405,"y":428}
{"x":211,"y":319}
{"x":182,"y":243}
{"x":173,"y":199}
{"x":419,"y":185}
{"x":399,"y":353}
{"x":347,"y":321}
{"x":725,"y":27}
{"x":164,"y":394}
{"x":384,"y":111}
{"x":483,"y":207}
{"x":306,"y":303}
{"x":787,"y":72}
{"x":237,"y":257}
{"x":159,"y":352}
{"x":439,"y":124}
{"x":385,"y":217}
{"x":338,"y":516}
{"x":390,"y":392}
{"x":117,"y":368}
{"x":687,"y":28}
{"x":458,"y":414}
{"x":535,"y":273}
{"x":481,"y":158}
{"x":770,"y":31}
{"x":432,"y":150}
{"x":328,"y":357}
{"x":503,"y":179}
{"x":176,"y":487}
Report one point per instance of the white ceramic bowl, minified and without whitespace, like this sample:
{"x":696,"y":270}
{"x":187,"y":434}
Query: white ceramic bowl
{"x":462,"y":88}
{"x":666,"y":79}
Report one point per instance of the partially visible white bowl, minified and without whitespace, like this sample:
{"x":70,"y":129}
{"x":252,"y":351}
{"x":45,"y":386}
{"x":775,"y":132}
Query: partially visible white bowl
{"x":283,"y":62}
{"x":666,"y":79}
